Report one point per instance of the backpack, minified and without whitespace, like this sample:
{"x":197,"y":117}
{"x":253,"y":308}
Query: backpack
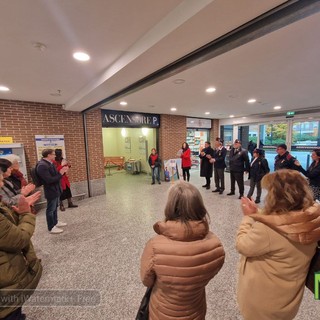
{"x":35,"y":177}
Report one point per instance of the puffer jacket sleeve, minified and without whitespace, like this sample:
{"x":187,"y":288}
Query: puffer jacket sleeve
{"x":252,"y":238}
{"x":147,"y":273}
{"x":15,"y":238}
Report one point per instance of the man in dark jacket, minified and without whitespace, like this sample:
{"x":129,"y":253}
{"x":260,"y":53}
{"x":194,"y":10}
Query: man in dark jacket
{"x":284,"y":160}
{"x":206,"y":154}
{"x":239,"y":163}
{"x":219,"y":165}
{"x":50,"y":178}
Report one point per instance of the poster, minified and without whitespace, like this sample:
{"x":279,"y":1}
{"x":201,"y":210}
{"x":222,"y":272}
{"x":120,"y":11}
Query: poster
{"x":170,"y":170}
{"x":127,"y":144}
{"x":49,"y":142}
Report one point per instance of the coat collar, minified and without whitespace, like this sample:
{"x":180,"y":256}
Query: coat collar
{"x":179,"y":231}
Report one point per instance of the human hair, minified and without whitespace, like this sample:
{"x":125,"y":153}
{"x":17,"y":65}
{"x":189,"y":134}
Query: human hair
{"x":317,"y":152}
{"x":283,"y":146}
{"x":154,"y":150}
{"x":187,"y":146}
{"x":46,"y":152}
{"x":185,"y":204}
{"x":58,"y":153}
{"x":13,"y":158}
{"x":5,"y":164}
{"x":287,"y":190}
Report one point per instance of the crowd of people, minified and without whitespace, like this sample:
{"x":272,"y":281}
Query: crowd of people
{"x":276,"y":242}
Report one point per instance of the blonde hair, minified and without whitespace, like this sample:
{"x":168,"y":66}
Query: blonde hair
{"x":287,"y":190}
{"x":185,"y":204}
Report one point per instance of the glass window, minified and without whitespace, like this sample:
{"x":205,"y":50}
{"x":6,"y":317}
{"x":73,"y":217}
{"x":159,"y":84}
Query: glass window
{"x":305,"y":133}
{"x":273,"y":134}
{"x":226,"y":133}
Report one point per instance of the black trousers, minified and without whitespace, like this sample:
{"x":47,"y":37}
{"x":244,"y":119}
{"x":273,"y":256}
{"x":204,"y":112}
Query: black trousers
{"x":219,"y":178}
{"x":185,"y":172}
{"x":253,"y":184}
{"x":208,"y":181}
{"x":237,"y":176}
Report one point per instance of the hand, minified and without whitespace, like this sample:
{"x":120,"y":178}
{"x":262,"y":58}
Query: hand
{"x":23,"y":206}
{"x":297,"y":163}
{"x":212,"y":160}
{"x":27,"y":189}
{"x":64,"y":162}
{"x":63,"y":170}
{"x":248,"y":206}
{"x":208,"y":156}
{"x":246,"y":172}
{"x":33,"y":198}
{"x":152,"y":167}
{"x":202,"y":153}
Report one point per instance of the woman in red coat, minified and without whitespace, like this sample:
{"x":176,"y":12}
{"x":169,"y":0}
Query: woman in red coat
{"x":186,"y":161}
{"x":65,"y":183}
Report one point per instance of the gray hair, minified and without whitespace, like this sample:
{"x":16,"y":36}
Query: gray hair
{"x":13,"y":158}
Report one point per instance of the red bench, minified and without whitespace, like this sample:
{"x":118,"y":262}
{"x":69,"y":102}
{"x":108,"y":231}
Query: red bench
{"x":114,"y":162}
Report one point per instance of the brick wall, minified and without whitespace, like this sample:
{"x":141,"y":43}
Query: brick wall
{"x":23,"y":120}
{"x":214,"y":132}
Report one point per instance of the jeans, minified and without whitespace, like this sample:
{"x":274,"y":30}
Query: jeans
{"x":52,"y":212}
{"x":155,"y":174}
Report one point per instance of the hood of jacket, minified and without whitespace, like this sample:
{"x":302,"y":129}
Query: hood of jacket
{"x":298,"y":226}
{"x":179,"y":231}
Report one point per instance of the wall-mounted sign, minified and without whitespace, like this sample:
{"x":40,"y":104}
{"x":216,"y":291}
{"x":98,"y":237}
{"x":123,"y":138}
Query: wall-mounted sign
{"x":198,"y":123}
{"x":6,"y":140}
{"x":49,"y":142}
{"x":123,"y":119}
{"x":290,"y":114}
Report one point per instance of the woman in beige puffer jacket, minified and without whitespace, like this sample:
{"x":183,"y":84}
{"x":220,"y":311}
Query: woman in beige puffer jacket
{"x":180,"y":261}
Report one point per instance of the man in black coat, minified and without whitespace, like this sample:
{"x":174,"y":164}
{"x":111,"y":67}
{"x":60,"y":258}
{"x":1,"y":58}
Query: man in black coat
{"x":284,"y":160}
{"x":239,"y":163}
{"x":50,"y":178}
{"x":206,"y":154}
{"x":219,"y":165}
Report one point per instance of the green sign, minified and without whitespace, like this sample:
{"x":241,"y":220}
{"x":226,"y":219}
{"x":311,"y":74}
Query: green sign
{"x":291,"y":113}
{"x":316,"y":285}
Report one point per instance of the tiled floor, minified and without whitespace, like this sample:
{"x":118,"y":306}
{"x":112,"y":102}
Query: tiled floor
{"x":101,"y":247}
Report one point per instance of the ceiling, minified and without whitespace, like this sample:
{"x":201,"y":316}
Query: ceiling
{"x":128,"y":40}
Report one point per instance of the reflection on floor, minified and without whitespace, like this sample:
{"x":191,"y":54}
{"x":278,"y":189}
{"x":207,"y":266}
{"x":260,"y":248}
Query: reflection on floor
{"x":101,"y":246}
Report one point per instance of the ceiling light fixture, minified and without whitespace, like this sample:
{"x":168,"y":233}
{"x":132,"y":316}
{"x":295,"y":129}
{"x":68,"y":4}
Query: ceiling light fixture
{"x":252,"y":100}
{"x":123,"y":103}
{"x":231,"y":116}
{"x":210,"y":90}
{"x":207,"y":112}
{"x":3,"y":88}
{"x":173,"y":109}
{"x":277,"y":107}
{"x":81,"y":56}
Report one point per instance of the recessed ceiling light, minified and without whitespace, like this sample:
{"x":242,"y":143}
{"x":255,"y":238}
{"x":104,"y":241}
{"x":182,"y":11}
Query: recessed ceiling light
{"x":179,"y":81}
{"x":123,"y":103}
{"x":244,"y":117}
{"x":252,"y":100}
{"x":207,"y":112}
{"x":277,"y":107}
{"x":211,"y":89}
{"x":81,"y":56}
{"x":173,"y":109}
{"x":231,"y":116}
{"x":3,"y":88}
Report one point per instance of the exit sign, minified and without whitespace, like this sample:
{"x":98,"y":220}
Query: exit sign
{"x":290,"y":114}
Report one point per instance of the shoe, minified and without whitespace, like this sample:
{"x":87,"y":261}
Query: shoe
{"x":207,"y":187}
{"x":159,"y":182}
{"x":152,"y":183}
{"x":221,"y":192}
{"x":230,"y":194}
{"x":216,"y":190}
{"x":62,"y":208}
{"x":55,"y":230}
{"x":72,"y":205}
{"x":204,"y":186}
{"x":257,"y":201}
{"x":61,"y":224}
{"x":241,"y":195}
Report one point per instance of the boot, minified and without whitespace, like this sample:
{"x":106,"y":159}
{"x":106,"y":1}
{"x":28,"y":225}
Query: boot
{"x":71,"y":205}
{"x":62,"y":208}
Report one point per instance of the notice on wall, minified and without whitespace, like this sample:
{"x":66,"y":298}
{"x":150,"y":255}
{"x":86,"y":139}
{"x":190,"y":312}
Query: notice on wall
{"x":127,"y":144}
{"x":6,"y":140}
{"x":49,"y":142}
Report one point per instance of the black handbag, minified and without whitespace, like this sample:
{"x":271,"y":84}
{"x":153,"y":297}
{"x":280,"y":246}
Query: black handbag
{"x":143,"y":312}
{"x":314,"y":267}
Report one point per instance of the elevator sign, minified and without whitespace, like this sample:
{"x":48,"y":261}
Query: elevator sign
{"x":122,"y":119}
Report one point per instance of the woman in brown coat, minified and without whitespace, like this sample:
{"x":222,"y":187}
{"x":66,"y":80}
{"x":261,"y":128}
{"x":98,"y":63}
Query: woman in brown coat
{"x":180,"y":261}
{"x":276,"y":247}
